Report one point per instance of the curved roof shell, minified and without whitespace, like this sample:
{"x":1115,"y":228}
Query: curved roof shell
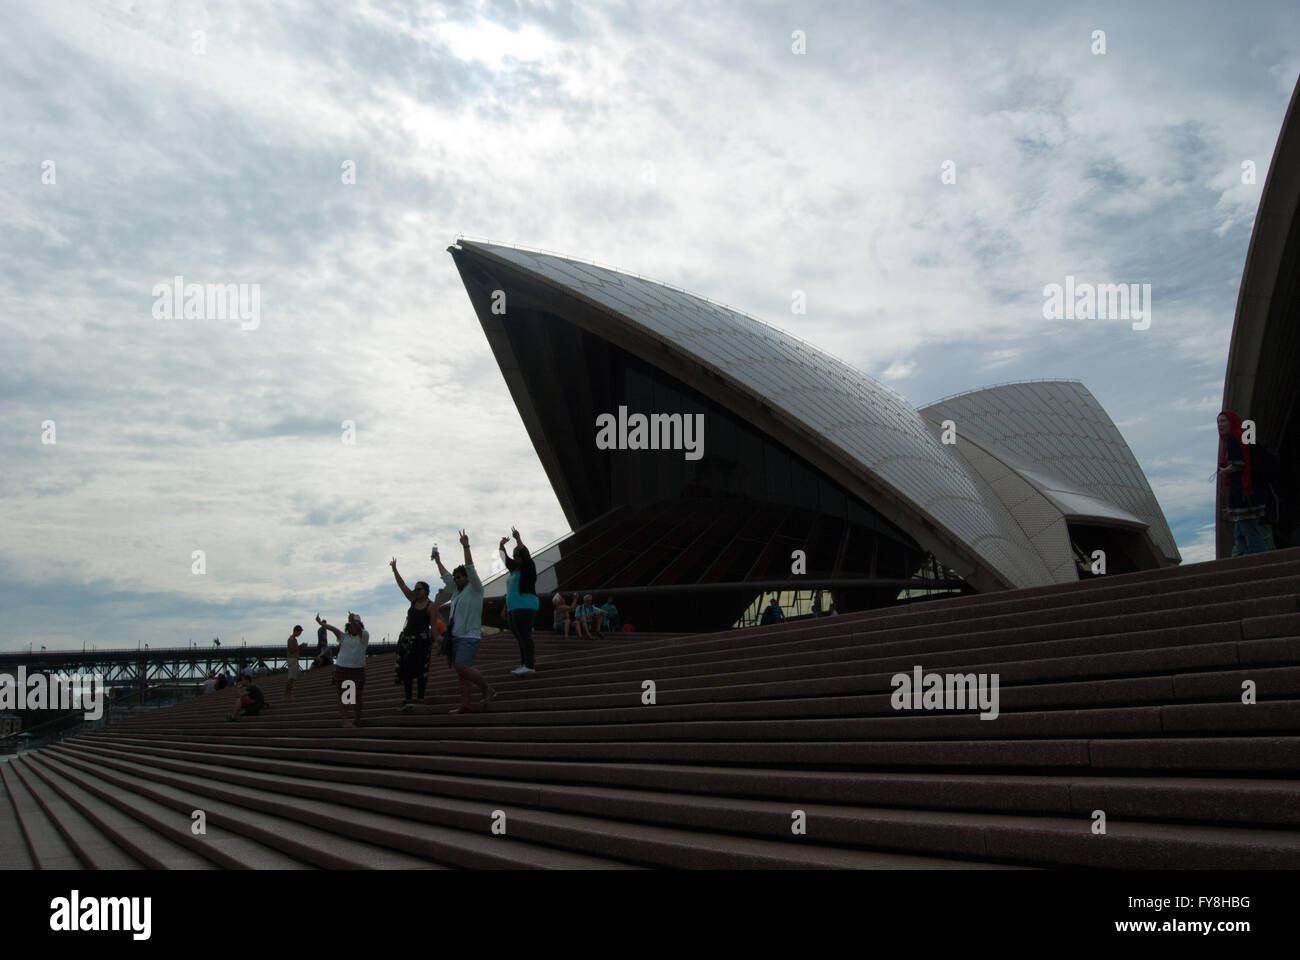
{"x":960,"y":505}
{"x":1056,"y":435}
{"x":1260,"y":382}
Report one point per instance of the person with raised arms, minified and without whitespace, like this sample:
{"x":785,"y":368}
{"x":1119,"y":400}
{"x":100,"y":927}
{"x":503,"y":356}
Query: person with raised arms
{"x":465,"y":626}
{"x":350,"y":665}
{"x":415,"y":643}
{"x":522,"y":602}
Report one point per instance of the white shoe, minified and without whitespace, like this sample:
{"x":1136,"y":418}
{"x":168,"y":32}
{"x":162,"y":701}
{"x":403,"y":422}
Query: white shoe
{"x":523,"y":670}
{"x":520,"y":670}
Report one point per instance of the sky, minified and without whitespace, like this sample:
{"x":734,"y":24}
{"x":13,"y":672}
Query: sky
{"x":329,"y":154}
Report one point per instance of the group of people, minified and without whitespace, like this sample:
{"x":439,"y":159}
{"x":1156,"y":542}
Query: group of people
{"x":585,"y":618}
{"x":458,"y":639}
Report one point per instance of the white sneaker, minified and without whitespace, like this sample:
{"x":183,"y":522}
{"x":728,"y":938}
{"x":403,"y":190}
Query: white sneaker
{"x":520,"y":670}
{"x":523,"y":670}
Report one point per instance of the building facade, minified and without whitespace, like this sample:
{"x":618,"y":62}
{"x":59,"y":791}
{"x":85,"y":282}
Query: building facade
{"x":1261,"y":382}
{"x":762,"y":463}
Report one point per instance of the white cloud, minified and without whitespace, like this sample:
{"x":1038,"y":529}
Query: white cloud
{"x":898,"y":370}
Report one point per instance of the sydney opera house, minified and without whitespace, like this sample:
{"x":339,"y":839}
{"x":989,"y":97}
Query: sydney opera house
{"x":1011,"y":486}
{"x":1261,"y":382}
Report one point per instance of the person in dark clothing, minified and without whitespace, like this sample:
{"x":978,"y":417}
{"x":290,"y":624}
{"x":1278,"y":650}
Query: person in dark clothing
{"x":251,"y":700}
{"x":322,"y":648}
{"x":415,"y":643}
{"x":522,"y":602}
{"x":773,"y":613}
{"x":1245,"y":510}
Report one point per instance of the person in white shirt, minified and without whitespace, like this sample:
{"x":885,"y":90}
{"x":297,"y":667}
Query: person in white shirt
{"x":465,"y":626}
{"x":350,"y":666}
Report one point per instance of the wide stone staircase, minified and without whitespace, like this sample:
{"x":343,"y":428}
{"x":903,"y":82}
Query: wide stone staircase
{"x":1122,"y":741}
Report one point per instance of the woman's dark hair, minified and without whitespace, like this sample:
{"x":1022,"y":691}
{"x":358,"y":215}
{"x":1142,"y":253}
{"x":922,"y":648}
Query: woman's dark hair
{"x":460,"y":571}
{"x":528,"y":569}
{"x":421,"y":583}
{"x":297,"y":628}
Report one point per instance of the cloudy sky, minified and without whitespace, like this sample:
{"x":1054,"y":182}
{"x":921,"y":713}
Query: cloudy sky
{"x":686,"y":142}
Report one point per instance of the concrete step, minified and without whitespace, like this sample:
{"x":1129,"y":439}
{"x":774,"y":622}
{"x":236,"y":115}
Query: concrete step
{"x":977,"y":836}
{"x":14,"y":854}
{"x":235,"y":839}
{"x":1265,"y":716}
{"x":699,"y":657}
{"x":1245,"y":801}
{"x":1271,"y":683}
{"x":132,"y":826}
{"x":1019,"y":664}
{"x":419,"y":844}
{"x":636,"y":842}
{"x":95,"y":849}
{"x":45,"y":844}
{"x":1141,"y":613}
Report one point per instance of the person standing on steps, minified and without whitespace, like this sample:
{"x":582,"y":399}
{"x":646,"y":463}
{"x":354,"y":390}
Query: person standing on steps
{"x":416,"y":641}
{"x":323,"y":658}
{"x":350,"y":665}
{"x":1245,"y":509}
{"x":465,"y":626}
{"x":522,"y":602}
{"x":291,"y":660}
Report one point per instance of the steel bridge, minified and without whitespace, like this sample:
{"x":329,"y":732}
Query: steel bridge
{"x":148,"y":666}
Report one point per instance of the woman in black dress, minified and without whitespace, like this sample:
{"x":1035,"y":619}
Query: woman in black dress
{"x":416,"y":640}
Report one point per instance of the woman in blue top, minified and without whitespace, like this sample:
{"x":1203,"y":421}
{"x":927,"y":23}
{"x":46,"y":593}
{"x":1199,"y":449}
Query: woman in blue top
{"x":521,"y":600}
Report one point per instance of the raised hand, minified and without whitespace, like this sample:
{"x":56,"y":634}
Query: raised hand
{"x":502,"y":544}
{"x":393,"y":563}
{"x":464,"y":539}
